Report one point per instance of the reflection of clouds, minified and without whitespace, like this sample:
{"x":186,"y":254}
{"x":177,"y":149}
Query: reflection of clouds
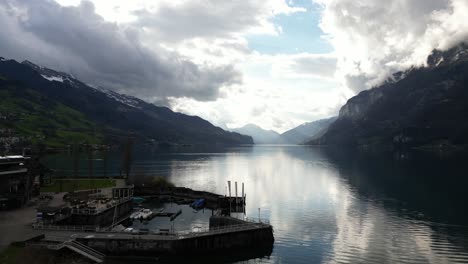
{"x":316,"y":215}
{"x":366,"y":232}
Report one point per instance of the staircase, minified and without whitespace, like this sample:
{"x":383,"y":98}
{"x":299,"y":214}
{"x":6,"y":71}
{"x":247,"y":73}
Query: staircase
{"x":85,"y":251}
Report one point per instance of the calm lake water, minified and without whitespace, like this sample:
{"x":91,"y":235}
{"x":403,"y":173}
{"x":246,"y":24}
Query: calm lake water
{"x":326,"y":206}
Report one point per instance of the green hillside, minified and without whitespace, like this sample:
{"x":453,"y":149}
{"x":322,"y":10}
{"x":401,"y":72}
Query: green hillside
{"x":40,"y":120}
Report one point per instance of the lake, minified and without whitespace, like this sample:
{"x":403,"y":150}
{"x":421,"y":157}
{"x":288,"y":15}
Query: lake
{"x":326,"y":205}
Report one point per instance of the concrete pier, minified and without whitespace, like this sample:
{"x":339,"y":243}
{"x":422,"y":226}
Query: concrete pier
{"x":225,"y":234}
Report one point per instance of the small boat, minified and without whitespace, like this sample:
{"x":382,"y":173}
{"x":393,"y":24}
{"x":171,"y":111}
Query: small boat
{"x":118,"y":228}
{"x":146,"y":214}
{"x":198,"y":204}
{"x":136,"y":214}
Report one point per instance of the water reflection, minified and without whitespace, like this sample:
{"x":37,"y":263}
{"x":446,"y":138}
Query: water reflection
{"x":332,"y":206}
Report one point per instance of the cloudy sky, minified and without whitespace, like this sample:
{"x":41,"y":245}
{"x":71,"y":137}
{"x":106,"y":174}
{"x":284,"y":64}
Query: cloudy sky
{"x":274,"y":63}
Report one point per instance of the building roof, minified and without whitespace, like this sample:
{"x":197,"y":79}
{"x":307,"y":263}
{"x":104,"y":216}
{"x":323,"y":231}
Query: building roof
{"x":52,"y":209}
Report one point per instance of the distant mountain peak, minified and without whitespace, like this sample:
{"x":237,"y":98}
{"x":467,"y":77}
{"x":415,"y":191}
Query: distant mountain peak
{"x":31,"y":64}
{"x":259,"y":135}
{"x":122,"y":98}
{"x":49,"y":74}
{"x":57,"y":76}
{"x":254,"y":126}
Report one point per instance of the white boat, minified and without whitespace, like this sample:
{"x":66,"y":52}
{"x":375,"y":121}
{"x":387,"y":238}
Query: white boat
{"x":118,"y":228}
{"x":146,"y":214}
{"x":136,"y":214}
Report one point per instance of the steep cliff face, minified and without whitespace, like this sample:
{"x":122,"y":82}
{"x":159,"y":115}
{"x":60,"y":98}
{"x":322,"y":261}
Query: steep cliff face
{"x":307,"y":131}
{"x":426,"y":106}
{"x":357,"y":107}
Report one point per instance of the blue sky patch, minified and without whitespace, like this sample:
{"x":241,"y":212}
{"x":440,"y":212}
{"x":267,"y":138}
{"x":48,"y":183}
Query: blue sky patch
{"x":301,"y":33}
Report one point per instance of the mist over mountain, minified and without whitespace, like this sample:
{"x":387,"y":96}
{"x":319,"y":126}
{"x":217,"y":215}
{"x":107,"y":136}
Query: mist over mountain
{"x":37,"y":102}
{"x":297,"y":135}
{"x":426,"y":106}
{"x":259,"y":135}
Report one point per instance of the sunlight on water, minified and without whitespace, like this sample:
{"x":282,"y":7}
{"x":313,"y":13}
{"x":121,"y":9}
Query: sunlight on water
{"x":325,"y":209}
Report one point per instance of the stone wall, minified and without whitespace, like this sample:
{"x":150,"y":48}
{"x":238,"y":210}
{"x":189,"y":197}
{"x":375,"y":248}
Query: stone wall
{"x":260,"y":239}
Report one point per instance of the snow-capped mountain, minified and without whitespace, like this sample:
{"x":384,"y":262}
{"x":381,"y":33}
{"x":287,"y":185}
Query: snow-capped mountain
{"x":116,"y":115}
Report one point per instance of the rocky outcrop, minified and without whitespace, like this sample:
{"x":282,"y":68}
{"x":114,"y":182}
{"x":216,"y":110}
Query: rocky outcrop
{"x":427,"y":106}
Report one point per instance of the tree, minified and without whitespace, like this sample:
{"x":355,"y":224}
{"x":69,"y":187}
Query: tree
{"x":127,"y":157}
{"x":76,"y":160}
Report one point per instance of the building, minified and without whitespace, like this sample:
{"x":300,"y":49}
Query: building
{"x":91,"y":208}
{"x":16,"y":181}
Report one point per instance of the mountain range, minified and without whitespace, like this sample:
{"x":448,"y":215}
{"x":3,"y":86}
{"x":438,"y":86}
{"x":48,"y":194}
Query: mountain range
{"x":307,"y":131}
{"x":259,"y":135}
{"x":423,"y":107}
{"x":43,"y":105}
{"x":297,"y":135}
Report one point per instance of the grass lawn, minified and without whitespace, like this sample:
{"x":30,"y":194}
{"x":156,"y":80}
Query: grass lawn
{"x":10,"y":254}
{"x":69,"y":185}
{"x":16,"y":254}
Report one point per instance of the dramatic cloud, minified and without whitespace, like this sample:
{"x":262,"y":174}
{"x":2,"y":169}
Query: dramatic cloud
{"x":212,"y":19}
{"x":208,"y":58}
{"x":268,"y":100}
{"x":305,"y":65}
{"x":78,"y":40}
{"x":191,"y":55}
{"x":373,"y":39}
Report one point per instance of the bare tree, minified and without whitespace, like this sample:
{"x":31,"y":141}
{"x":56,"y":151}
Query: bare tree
{"x":76,"y":160}
{"x":127,"y":158}
{"x":90,"y":166}
{"x":104,"y":162}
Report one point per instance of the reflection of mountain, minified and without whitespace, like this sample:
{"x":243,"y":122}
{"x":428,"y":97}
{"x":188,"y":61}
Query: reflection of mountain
{"x":331,"y":206}
{"x":427,"y":184}
{"x":56,"y":109}
{"x":425,"y":106}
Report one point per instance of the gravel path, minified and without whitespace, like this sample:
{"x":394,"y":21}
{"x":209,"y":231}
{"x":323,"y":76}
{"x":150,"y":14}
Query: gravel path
{"x":15,"y":225}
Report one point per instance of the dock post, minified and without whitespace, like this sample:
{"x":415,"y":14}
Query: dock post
{"x":237,"y":209}
{"x":243,"y":201}
{"x":229,"y":186}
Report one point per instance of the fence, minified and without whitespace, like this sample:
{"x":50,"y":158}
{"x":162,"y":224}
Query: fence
{"x":257,"y":220}
{"x":66,"y":228}
{"x":250,"y":223}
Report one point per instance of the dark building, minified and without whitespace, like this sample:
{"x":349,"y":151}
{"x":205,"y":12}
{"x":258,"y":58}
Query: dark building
{"x":89,"y":209}
{"x":16,"y":181}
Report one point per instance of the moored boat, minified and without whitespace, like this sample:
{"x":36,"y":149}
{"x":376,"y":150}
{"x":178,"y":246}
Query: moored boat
{"x":146,"y":214}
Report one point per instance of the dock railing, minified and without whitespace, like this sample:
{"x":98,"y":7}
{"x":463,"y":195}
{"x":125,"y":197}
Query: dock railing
{"x":77,"y":228}
{"x":257,"y":220}
{"x":247,"y":224}
{"x":250,"y":223}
